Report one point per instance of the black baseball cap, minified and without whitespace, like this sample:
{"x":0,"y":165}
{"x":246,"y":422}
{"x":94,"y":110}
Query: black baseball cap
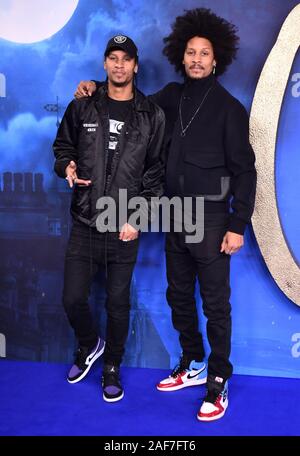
{"x":124,"y":43}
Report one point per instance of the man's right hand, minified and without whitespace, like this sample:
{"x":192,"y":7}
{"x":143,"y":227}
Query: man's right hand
{"x":85,"y":89}
{"x":72,"y":176}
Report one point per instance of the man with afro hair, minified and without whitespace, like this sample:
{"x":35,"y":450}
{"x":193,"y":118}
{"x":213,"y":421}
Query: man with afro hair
{"x":209,"y":155}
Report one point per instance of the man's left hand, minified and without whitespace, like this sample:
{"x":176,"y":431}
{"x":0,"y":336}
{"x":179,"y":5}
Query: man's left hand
{"x":232,"y":242}
{"x":128,"y":233}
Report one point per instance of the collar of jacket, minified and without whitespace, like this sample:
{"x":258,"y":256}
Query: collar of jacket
{"x":140,"y":101}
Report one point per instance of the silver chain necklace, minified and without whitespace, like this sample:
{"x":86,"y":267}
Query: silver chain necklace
{"x":184,"y":129}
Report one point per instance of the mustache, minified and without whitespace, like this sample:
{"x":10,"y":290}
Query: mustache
{"x":196,"y":66}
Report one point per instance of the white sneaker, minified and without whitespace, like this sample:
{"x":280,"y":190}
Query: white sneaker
{"x":191,"y":373}
{"x":214,"y":405}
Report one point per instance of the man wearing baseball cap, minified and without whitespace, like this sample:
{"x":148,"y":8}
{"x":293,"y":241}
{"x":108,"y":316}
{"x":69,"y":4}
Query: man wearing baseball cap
{"x":105,"y":144}
{"x":123,"y":43}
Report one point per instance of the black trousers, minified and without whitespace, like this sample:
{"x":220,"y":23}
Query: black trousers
{"x":88,"y":250}
{"x":202,"y":261}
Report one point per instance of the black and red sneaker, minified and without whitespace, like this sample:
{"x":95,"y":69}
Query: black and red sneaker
{"x":214,"y":405}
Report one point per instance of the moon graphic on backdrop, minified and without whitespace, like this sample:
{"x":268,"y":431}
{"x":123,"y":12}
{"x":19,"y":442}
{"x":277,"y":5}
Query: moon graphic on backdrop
{"x":31,"y":21}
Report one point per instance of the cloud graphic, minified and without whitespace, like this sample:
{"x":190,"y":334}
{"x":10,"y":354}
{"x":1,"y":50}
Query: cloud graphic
{"x":86,"y":60}
{"x":36,"y":74}
{"x":26,"y":145}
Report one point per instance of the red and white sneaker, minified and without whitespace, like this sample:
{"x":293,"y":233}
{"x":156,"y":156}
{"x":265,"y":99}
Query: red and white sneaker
{"x":187,"y":373}
{"x":214,"y":405}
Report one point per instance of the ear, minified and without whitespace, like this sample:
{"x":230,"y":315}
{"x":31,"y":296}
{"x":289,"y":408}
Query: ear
{"x":136,"y":68}
{"x":214,"y":63}
{"x":104,"y":65}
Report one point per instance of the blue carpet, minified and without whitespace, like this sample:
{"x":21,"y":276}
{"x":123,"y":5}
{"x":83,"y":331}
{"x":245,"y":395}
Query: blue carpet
{"x":37,"y":400}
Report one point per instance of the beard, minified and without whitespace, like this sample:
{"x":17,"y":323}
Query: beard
{"x":204,"y":74}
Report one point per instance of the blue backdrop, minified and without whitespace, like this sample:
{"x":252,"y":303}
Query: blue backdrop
{"x":37,"y":81}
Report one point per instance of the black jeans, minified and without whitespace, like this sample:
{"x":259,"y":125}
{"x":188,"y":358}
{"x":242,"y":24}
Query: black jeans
{"x":185,"y":263}
{"x":87,"y":250}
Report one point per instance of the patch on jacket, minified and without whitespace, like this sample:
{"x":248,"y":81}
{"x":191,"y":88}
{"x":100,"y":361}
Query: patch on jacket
{"x":90,"y":126}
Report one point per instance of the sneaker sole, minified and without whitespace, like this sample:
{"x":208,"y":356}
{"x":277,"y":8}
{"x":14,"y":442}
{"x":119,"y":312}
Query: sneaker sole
{"x":78,"y":379}
{"x":212,"y":418}
{"x":184,"y":385}
{"x":116,"y":399}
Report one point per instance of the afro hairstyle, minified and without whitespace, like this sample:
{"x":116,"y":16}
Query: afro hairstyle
{"x":204,"y":23}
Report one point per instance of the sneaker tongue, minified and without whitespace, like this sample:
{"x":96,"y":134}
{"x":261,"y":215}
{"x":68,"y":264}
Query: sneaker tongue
{"x":111,"y":369}
{"x":84,"y":350}
{"x":81,"y":355}
{"x":177,"y":371}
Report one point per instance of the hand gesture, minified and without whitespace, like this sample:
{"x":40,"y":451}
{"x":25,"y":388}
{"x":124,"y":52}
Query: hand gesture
{"x":72,"y":176}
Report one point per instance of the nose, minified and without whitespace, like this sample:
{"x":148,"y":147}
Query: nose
{"x":197,"y":58}
{"x":119,"y":63}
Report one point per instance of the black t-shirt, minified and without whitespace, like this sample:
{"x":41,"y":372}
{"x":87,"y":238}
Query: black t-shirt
{"x":118,"y":111}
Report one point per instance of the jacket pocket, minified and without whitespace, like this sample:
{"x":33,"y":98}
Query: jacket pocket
{"x":205,"y":159}
{"x":203,"y":172}
{"x":136,"y":137}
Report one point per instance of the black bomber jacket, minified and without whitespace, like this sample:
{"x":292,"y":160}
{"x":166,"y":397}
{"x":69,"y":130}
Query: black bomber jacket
{"x":83,"y":136}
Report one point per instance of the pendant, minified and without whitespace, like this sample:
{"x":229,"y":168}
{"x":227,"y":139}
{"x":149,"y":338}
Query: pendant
{"x":182,"y":134}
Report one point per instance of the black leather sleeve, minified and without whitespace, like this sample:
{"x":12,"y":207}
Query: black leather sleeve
{"x":65,"y":144}
{"x":153,"y":177}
